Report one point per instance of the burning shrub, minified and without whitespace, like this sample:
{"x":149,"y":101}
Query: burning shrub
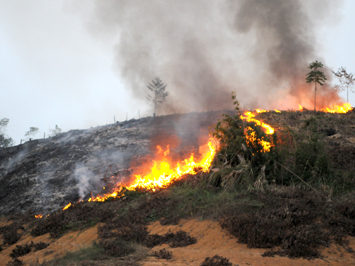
{"x":245,"y":151}
{"x":116,"y":248}
{"x":216,"y":261}
{"x":163,"y":254}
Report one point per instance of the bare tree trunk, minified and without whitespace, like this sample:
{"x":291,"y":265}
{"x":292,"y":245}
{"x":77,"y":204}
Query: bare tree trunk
{"x":347,"y":93}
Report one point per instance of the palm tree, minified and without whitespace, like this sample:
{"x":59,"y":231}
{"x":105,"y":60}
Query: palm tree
{"x":316,"y":76}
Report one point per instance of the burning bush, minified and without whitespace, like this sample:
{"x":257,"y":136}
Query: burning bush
{"x":247,"y":154}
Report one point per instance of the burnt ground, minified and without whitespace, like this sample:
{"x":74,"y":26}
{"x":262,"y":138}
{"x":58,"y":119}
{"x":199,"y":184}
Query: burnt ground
{"x":46,"y":174}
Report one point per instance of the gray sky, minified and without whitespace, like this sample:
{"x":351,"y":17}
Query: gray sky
{"x":54,"y":71}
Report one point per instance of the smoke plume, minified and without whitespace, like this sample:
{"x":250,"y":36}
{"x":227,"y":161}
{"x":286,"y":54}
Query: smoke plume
{"x":205,"y":49}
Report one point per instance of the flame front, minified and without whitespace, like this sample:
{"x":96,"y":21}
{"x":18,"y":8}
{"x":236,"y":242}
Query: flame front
{"x":339,"y":109}
{"x":38,"y":216}
{"x":164,"y":172}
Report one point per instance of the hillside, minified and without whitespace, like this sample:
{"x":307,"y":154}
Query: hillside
{"x":300,"y":212}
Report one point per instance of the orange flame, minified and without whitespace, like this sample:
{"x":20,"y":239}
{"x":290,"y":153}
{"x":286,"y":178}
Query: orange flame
{"x":339,"y":109}
{"x":250,"y":134}
{"x":67,"y":206}
{"x":250,"y":117}
{"x":163,"y":173}
{"x":38,"y":216}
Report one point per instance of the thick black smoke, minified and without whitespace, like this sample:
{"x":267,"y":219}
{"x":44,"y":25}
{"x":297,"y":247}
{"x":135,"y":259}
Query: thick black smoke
{"x":205,"y":49}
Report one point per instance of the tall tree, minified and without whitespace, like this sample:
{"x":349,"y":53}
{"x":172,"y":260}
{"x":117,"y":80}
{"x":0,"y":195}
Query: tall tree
{"x":4,"y":141}
{"x":157,"y":94}
{"x":346,"y":81}
{"x":316,"y":76}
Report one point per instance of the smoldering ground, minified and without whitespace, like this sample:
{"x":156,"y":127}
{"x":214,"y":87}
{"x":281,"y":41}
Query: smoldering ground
{"x":204,"y":50}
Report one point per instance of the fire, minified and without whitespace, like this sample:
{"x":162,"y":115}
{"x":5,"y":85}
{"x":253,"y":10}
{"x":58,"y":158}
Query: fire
{"x":38,"y":216}
{"x":250,"y":117}
{"x":339,"y":109}
{"x":163,"y":173}
{"x":250,"y":134}
{"x":67,"y":206}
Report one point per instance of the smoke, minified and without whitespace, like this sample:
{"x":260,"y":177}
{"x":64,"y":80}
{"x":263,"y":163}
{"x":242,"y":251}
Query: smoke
{"x":86,"y":180}
{"x":205,"y":49}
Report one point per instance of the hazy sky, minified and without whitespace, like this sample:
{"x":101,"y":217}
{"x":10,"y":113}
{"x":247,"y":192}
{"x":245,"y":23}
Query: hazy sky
{"x":54,"y":71}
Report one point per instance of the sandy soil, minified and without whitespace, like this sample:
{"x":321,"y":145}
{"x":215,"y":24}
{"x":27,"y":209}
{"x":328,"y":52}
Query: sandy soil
{"x":211,"y":240}
{"x":70,"y":242}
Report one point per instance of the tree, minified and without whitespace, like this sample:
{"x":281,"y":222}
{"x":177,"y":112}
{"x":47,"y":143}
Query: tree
{"x":4,"y":141}
{"x":157,"y":94}
{"x":32,"y":132}
{"x":346,"y":81}
{"x":56,"y":131}
{"x":316,"y":76}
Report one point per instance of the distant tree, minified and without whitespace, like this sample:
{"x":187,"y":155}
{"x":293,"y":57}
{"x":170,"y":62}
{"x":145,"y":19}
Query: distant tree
{"x":56,"y":131}
{"x":32,"y":132}
{"x":5,"y":141}
{"x":346,"y":81}
{"x":316,"y":76}
{"x":157,"y":94}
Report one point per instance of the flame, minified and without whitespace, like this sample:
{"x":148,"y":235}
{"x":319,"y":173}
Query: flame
{"x":339,"y":109}
{"x":163,"y":173}
{"x":38,"y":216}
{"x":67,"y":206}
{"x":250,"y":117}
{"x":250,"y":134}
